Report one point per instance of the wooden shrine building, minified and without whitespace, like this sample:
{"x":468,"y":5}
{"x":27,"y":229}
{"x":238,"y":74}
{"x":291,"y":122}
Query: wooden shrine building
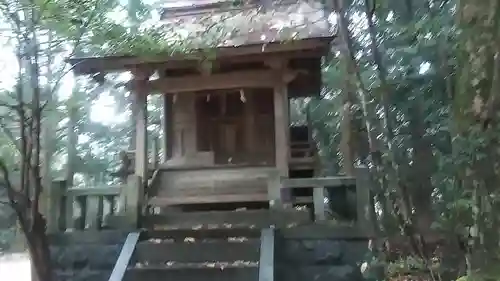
{"x":227,"y":135}
{"x":216,"y":207}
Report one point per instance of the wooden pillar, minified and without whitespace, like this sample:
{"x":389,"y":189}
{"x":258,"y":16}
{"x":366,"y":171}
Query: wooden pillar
{"x":167,"y":121}
{"x":281,"y":134}
{"x":136,"y":183}
{"x":141,"y":134}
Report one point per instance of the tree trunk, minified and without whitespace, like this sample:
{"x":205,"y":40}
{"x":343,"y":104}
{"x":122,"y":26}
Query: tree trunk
{"x":353,"y":84}
{"x":38,"y":248}
{"x":423,"y":160}
{"x":71,"y":146}
{"x":476,"y":103}
{"x":423,"y":165}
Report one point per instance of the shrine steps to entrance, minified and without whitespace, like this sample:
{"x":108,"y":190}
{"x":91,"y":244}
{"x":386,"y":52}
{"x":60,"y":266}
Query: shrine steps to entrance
{"x":251,"y":248}
{"x":232,"y":254}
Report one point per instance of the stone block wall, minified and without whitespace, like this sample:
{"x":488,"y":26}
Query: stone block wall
{"x":88,"y":256}
{"x":321,"y":259}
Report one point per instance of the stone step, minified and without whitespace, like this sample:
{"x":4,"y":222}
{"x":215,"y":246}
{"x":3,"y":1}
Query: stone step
{"x":159,"y":252}
{"x":193,"y":272}
{"x":248,"y":218}
{"x":201,"y":234}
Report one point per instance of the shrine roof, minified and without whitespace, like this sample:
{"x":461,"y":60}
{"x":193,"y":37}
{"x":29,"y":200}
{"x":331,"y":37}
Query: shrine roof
{"x":257,"y":23}
{"x":294,"y":25}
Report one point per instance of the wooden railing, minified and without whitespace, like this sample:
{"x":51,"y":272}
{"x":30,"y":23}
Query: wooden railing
{"x":361,"y":181}
{"x":93,"y":205}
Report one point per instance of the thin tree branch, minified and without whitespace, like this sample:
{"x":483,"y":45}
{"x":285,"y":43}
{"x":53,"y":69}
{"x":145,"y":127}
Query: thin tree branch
{"x":10,"y":136}
{"x":8,"y":183}
{"x":10,"y":106}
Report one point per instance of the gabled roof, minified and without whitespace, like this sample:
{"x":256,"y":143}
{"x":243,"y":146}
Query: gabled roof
{"x":225,"y":24}
{"x":229,"y":30}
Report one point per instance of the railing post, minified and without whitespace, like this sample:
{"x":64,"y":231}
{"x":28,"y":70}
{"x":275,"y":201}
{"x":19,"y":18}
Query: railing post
{"x":68,"y":210}
{"x":111,"y":202}
{"x":82,"y":219}
{"x":363,"y":193}
{"x":134,"y":194}
{"x":96,"y":211}
{"x":319,"y":203}
{"x":122,"y":197}
{"x":274,"y":189}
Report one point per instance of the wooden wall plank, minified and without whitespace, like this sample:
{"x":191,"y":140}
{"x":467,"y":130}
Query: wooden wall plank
{"x":319,"y":181}
{"x":281,"y":129}
{"x":249,"y":123}
{"x":207,"y":182}
{"x":184,"y":126}
{"x":167,"y":127}
{"x":226,"y":198}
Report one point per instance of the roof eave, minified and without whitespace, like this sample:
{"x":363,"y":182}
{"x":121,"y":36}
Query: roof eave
{"x":115,"y":63}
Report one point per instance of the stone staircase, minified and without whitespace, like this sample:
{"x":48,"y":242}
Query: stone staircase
{"x":213,"y":246}
{"x":203,"y":254}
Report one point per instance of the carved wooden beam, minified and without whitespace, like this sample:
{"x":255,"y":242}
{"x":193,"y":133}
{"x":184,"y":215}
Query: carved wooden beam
{"x":233,"y":80}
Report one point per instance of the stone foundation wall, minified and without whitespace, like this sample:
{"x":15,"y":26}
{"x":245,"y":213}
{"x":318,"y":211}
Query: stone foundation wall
{"x":85,"y":257}
{"x":321,"y":259}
